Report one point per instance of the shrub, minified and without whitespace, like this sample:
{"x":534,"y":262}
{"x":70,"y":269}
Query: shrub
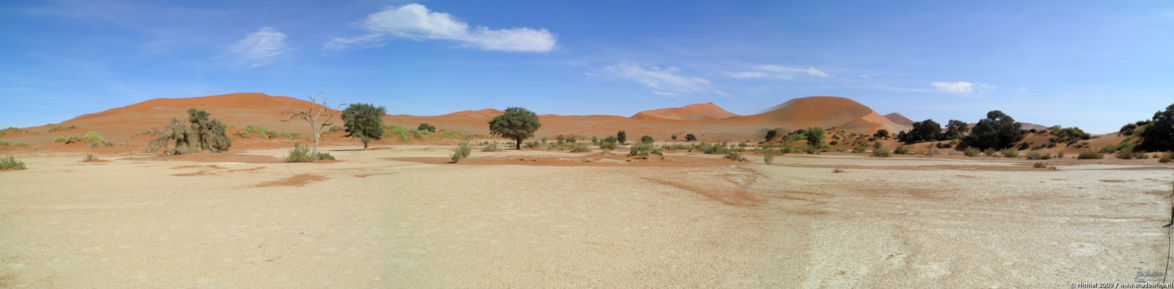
{"x":90,"y":157}
{"x":1060,"y":155}
{"x":876,"y":145}
{"x":646,"y":139}
{"x":711,"y":149}
{"x":990,"y":152}
{"x":1043,"y":165}
{"x":11,"y":164}
{"x":607,"y":145}
{"x":517,"y":123}
{"x":690,"y":137}
{"x":463,"y":151}
{"x":1166,"y":158}
{"x":204,"y":134}
{"x":944,"y":145}
{"x":642,"y":150}
{"x":814,"y":136}
{"x":62,"y":128}
{"x":971,"y":152}
{"x":1010,"y":153}
{"x":859,"y":149}
{"x":1125,"y":154}
{"x":769,"y":158}
{"x":93,"y":137}
{"x":1089,"y":155}
{"x":735,"y":156}
{"x":622,"y":136}
{"x":674,"y":137}
{"x":901,"y":149}
{"x":301,"y":154}
{"x":881,"y":133}
{"x":881,"y":152}
{"x":926,"y":130}
{"x":491,"y":147}
{"x":422,"y":126}
{"x":1038,"y":156}
{"x":580,"y":147}
{"x":365,"y":122}
{"x":533,"y":145}
{"x":837,"y":170}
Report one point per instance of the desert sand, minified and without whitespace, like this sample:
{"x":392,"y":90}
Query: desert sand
{"x":394,"y":217}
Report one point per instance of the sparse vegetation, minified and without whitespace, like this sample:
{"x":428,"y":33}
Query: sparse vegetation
{"x":901,"y":149}
{"x":302,"y":154}
{"x":1043,"y":165}
{"x":690,"y":137}
{"x":204,"y":133}
{"x":517,"y":123}
{"x":1038,"y":156}
{"x":607,"y":145}
{"x":62,"y":128}
{"x":90,"y":157}
{"x":642,"y":150}
{"x":19,"y":143}
{"x":990,"y":152}
{"x":971,"y":152}
{"x":312,"y":115}
{"x":491,"y":147}
{"x":93,"y":137}
{"x":647,"y":139}
{"x":859,"y":149}
{"x":422,"y":126}
{"x":735,"y":156}
{"x":580,"y":147}
{"x":837,"y":170}
{"x":11,"y":163}
{"x":881,"y":133}
{"x":257,"y":131}
{"x":463,"y":151}
{"x":622,"y":137}
{"x":814,"y":136}
{"x":1009,"y":153}
{"x":881,"y":153}
{"x":365,"y":122}
{"x":1089,"y":155}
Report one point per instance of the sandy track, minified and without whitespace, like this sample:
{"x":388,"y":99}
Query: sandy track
{"x":371,"y":221}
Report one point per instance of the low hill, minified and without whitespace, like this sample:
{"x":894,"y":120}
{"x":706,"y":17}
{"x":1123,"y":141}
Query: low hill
{"x":700,"y":111}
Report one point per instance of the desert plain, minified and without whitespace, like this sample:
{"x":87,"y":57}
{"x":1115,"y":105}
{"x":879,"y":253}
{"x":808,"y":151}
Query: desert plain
{"x":402,"y":216}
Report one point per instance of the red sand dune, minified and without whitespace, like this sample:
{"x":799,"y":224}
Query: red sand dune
{"x":707,"y":121}
{"x":700,"y":111}
{"x":897,"y":118}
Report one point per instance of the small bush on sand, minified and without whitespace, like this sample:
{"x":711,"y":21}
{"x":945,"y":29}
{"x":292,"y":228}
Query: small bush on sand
{"x":990,"y":152}
{"x":491,"y":147}
{"x":971,"y":152}
{"x":646,"y":139}
{"x":93,"y":137}
{"x":580,"y":147}
{"x":690,"y":137}
{"x":859,"y":149}
{"x":11,"y":164}
{"x":1043,"y":165}
{"x":1089,"y":155}
{"x":881,"y":153}
{"x":768,"y":159}
{"x":838,"y":170}
{"x":427,"y":127}
{"x":90,"y":157}
{"x":1060,"y":155}
{"x":1009,"y":153}
{"x":1166,"y":158}
{"x":735,"y":156}
{"x":901,"y":149}
{"x":301,"y":154}
{"x":607,"y":145}
{"x":463,"y":151}
{"x":1125,"y":154}
{"x":1038,"y":156}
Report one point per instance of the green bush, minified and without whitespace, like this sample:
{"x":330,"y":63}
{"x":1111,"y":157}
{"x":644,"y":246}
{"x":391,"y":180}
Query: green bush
{"x":646,"y":139}
{"x":1009,"y":153}
{"x":1038,"y":156}
{"x":1060,"y":155}
{"x":990,"y":152}
{"x":93,"y":137}
{"x":1125,"y":154}
{"x":90,"y":157}
{"x":62,"y":128}
{"x":1089,"y":155}
{"x":814,"y":136}
{"x":881,"y":152}
{"x":491,"y":147}
{"x":735,"y":156}
{"x":622,"y":136}
{"x":768,"y":159}
{"x":690,"y":137}
{"x":711,"y":149}
{"x":607,"y":145}
{"x":204,"y":133}
{"x":301,"y":154}
{"x":859,"y":149}
{"x":11,"y":164}
{"x":463,"y":151}
{"x":971,"y":152}
{"x":1043,"y":165}
{"x":580,"y":147}
{"x":425,"y":126}
{"x":901,"y":149}
{"x":642,"y":150}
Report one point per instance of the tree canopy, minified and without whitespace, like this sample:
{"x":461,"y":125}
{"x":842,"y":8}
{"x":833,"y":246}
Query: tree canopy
{"x":997,"y":131}
{"x":363,"y":121}
{"x":1158,"y":135}
{"x":517,"y":123}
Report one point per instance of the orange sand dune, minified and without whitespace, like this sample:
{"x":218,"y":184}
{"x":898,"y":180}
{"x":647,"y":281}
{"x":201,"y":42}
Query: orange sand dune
{"x":700,"y":111}
{"x":707,"y":121}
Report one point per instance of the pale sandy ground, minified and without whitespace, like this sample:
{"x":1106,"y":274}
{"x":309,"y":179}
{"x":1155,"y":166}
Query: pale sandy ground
{"x":371,"y":221}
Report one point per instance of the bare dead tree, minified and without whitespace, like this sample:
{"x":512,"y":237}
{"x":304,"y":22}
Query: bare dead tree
{"x":312,"y":115}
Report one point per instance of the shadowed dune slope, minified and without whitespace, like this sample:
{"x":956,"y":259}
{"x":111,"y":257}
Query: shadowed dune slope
{"x":898,"y":118}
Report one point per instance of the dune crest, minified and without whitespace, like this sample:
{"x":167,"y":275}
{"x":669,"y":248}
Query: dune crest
{"x":700,"y":111}
{"x":821,"y":111}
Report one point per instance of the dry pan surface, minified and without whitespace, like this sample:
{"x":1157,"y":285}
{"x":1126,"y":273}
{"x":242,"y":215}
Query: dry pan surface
{"x":371,"y":221}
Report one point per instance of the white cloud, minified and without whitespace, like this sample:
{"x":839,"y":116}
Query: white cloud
{"x":777,"y":72}
{"x":963,"y":88}
{"x":414,"y":21}
{"x":667,"y":81}
{"x":260,"y":47}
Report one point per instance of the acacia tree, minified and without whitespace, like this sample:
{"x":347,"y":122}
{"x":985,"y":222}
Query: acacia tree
{"x":955,"y":129}
{"x":205,"y":133}
{"x":313,"y":116}
{"x":517,"y":123}
{"x":363,"y":121}
{"x":1158,"y":135}
{"x":998,"y":131}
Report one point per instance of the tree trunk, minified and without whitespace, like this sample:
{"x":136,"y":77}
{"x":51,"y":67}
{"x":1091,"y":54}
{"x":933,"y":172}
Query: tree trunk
{"x":317,"y":135}
{"x":518,"y":144}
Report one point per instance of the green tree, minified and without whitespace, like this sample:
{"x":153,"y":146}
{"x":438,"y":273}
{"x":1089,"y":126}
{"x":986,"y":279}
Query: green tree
{"x":770,"y":134}
{"x":646,"y":139}
{"x":881,"y":133}
{"x":956,"y":129}
{"x":427,"y":127}
{"x":517,"y":123}
{"x":1159,"y":134}
{"x":690,"y":137}
{"x":814,"y":136}
{"x":363,"y":121}
{"x":927,"y":130}
{"x":996,"y":131}
{"x":622,"y":136}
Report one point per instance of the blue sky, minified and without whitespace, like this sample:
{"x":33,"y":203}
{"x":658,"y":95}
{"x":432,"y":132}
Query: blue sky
{"x":1092,"y":64}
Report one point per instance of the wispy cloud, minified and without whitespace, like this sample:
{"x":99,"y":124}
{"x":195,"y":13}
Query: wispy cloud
{"x":259,"y":48}
{"x":414,"y":21}
{"x":663,"y":81}
{"x":963,"y":88}
{"x":777,"y":72}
